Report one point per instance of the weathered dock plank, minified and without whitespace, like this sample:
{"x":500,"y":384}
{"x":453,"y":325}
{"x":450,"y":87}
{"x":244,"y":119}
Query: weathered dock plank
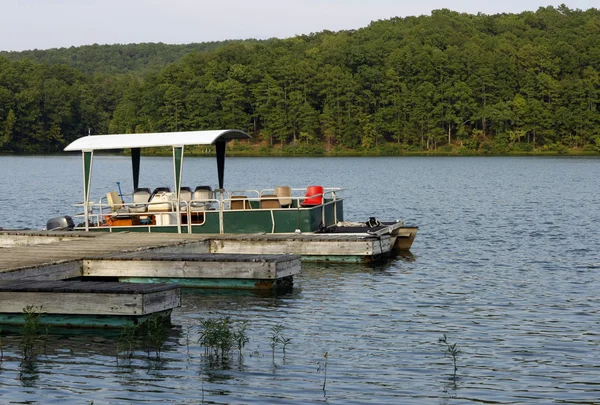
{"x":311,"y":247}
{"x":81,"y":303}
{"x":87,"y":298}
{"x":199,"y":270}
{"x":30,"y":238}
{"x":62,"y":259}
{"x":50,"y":270}
{"x":194,"y":266}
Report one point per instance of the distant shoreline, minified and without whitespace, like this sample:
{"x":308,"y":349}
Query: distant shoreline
{"x":289,"y":151}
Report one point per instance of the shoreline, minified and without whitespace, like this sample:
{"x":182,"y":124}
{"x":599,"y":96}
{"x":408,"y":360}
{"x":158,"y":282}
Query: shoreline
{"x":289,"y":152}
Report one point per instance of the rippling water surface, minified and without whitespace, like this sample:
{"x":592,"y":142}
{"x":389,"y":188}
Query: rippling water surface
{"x":506,"y":264}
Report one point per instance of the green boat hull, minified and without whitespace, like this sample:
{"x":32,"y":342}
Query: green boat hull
{"x":285,"y":220}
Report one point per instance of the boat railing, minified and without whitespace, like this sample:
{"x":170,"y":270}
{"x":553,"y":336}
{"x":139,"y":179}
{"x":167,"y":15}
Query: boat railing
{"x":170,"y":211}
{"x":300,"y":192}
{"x":268,"y":201}
{"x":94,"y":210}
{"x":242,"y":193}
{"x":298,"y":195}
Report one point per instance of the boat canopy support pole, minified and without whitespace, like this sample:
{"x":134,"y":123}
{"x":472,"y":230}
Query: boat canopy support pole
{"x":88,"y":157}
{"x":178,"y":169}
{"x":220,"y":161}
{"x":220,"y":147}
{"x":135,"y":166}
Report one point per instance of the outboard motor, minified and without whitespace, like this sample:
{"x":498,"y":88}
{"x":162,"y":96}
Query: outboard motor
{"x":60,"y":224}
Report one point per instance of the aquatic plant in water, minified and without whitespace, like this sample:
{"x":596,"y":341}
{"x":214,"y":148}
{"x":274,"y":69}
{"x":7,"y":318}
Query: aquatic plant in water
{"x":125,"y":341}
{"x":323,"y":368}
{"x":155,"y":332}
{"x":219,"y":336}
{"x":452,"y":350}
{"x":187,"y":339}
{"x":240,"y":337}
{"x":31,"y":331}
{"x":152,"y":334}
{"x":277,"y":337}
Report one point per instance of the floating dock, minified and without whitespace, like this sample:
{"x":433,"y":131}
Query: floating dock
{"x":205,"y":270}
{"x":33,"y":263}
{"x":32,"y":238}
{"x":323,"y":247}
{"x":59,"y":255}
{"x":171,"y":258}
{"x":85,"y":304}
{"x":62,"y":259}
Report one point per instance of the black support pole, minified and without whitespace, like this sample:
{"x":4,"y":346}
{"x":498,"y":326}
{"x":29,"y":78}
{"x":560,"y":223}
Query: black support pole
{"x":220,"y":161}
{"x":135,"y":166}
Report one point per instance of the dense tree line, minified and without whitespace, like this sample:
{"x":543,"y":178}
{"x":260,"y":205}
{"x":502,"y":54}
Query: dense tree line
{"x":139,"y":59}
{"x":487,"y":83}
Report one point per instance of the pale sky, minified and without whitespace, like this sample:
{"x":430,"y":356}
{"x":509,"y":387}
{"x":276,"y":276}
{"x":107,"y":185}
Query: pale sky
{"x":44,"y":24}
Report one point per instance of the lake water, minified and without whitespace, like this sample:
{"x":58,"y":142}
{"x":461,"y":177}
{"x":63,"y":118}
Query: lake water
{"x":506,"y":264}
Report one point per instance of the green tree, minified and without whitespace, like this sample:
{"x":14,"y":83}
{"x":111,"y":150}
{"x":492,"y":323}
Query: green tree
{"x":8,"y":129}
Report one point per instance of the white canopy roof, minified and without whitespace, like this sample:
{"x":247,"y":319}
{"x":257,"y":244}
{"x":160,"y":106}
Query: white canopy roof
{"x":125,"y":141}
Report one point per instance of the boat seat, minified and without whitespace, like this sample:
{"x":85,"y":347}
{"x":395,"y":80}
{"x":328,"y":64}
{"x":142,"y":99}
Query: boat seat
{"x":114,"y":200}
{"x":240,"y":202}
{"x":314,"y":196}
{"x":159,"y":190}
{"x":269,"y":201}
{"x":162,"y":201}
{"x":201,"y":199}
{"x":284,"y":193}
{"x":116,"y":204}
{"x":185,"y":196}
{"x":140,"y":199}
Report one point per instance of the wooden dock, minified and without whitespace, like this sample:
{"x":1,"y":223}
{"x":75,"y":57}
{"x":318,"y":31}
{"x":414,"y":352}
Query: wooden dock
{"x":326,"y":247}
{"x":32,"y":263}
{"x":206,"y":270}
{"x":31,"y":238}
{"x":62,"y":259}
{"x":145,"y":257}
{"x":85,"y":304}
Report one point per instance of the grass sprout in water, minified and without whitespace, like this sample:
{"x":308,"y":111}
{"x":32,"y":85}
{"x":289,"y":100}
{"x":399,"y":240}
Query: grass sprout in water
{"x":452,"y":350}
{"x":125,"y":342}
{"x":31,"y":332}
{"x":219,"y":337}
{"x":278,"y":337}
{"x":155,"y":332}
{"x":152,"y":334}
{"x":30,"y":345}
{"x":323,"y":368}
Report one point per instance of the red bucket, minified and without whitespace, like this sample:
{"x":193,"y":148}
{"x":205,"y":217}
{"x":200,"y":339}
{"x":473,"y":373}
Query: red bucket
{"x":314,"y":195}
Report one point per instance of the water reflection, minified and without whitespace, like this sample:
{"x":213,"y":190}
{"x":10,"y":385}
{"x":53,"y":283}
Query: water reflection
{"x":200,"y":293}
{"x":407,"y":257}
{"x":29,"y":371}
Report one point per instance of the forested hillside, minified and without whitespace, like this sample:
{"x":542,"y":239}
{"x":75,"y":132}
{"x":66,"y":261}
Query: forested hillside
{"x":446,"y":82}
{"x":115,"y":59}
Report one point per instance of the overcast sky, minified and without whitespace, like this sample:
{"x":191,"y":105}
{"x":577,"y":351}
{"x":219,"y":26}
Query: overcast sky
{"x":43,"y":24}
